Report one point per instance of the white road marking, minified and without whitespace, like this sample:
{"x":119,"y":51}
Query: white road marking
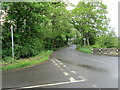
{"x":60,"y":63}
{"x":66,"y":74}
{"x":98,"y":61}
{"x":57,"y":61}
{"x":82,"y":78}
{"x":56,"y":64}
{"x":94,"y":86}
{"x":73,"y":71}
{"x":64,"y":65}
{"x":72,"y":79}
{"x":52,"y":84}
{"x":53,"y":61}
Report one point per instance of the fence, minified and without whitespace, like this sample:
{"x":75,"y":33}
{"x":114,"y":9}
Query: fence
{"x":107,"y":51}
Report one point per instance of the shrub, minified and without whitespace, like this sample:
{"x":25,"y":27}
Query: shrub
{"x":9,"y":60}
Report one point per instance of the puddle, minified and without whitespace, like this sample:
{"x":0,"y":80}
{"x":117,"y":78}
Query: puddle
{"x":97,"y":69}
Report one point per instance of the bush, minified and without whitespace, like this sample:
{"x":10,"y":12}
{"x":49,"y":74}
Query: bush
{"x":9,"y":60}
{"x":96,"y":46}
{"x":86,"y":49}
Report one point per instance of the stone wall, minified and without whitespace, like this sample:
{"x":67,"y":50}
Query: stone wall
{"x":107,"y":51}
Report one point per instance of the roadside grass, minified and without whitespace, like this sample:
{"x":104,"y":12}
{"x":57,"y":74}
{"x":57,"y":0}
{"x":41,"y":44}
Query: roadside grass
{"x":43,"y":56}
{"x":86,"y":49}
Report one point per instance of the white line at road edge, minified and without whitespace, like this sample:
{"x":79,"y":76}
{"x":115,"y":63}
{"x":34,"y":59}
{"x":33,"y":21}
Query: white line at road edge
{"x":53,"y":84}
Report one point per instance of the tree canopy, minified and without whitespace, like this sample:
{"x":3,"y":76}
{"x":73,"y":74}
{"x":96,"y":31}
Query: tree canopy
{"x":42,"y":26}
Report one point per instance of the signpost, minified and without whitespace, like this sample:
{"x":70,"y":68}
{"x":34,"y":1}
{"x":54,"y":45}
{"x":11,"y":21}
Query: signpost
{"x":84,"y":41}
{"x":12,"y":41}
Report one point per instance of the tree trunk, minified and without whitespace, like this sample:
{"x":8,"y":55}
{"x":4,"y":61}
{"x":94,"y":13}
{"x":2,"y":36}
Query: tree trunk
{"x":88,"y":42}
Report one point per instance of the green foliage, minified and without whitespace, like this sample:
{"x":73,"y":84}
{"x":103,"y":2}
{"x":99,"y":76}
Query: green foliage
{"x":96,"y":46}
{"x":89,"y":18}
{"x":108,"y":40}
{"x":9,"y":60}
{"x":38,"y":26}
{"x":22,"y":64}
{"x":26,"y":62}
{"x":86,"y":49}
{"x":118,"y":42}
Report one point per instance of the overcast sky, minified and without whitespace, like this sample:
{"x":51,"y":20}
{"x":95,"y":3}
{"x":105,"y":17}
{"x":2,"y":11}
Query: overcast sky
{"x":112,"y":8}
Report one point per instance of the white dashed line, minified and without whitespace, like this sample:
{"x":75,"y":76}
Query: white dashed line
{"x":56,"y":64}
{"x":73,"y":71}
{"x":80,"y":76}
{"x":53,"y":61}
{"x":57,"y":60}
{"x":66,"y":74}
{"x":61,"y":64}
{"x":64,"y":65}
{"x":72,"y":79}
{"x":94,"y":86}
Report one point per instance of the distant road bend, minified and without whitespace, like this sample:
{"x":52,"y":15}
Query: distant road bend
{"x":68,"y":68}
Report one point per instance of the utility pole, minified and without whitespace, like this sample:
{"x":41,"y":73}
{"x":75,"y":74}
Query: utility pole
{"x":12,"y":41}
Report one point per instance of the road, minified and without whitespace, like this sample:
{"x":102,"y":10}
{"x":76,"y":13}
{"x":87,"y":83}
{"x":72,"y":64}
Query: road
{"x":68,"y":68}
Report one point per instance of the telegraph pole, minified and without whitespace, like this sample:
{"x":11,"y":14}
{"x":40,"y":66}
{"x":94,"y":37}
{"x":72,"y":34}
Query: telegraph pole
{"x":12,"y":41}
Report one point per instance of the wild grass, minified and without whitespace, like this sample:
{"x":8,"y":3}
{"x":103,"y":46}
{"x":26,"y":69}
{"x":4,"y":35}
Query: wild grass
{"x":86,"y":49}
{"x":43,"y":56}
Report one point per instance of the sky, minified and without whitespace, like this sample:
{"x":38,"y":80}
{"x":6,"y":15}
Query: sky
{"x":112,"y":8}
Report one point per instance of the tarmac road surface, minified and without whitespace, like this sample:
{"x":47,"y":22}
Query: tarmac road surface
{"x":68,"y":68}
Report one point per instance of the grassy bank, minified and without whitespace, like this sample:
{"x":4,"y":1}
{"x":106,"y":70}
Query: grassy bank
{"x":86,"y":49}
{"x":27,"y":61}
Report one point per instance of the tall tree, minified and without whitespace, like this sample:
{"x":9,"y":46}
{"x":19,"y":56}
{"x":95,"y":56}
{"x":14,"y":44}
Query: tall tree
{"x":90,"y":20}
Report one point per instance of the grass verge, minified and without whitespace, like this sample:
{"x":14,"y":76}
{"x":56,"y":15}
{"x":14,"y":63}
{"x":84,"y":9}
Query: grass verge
{"x":43,"y":56}
{"x":86,"y":49}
